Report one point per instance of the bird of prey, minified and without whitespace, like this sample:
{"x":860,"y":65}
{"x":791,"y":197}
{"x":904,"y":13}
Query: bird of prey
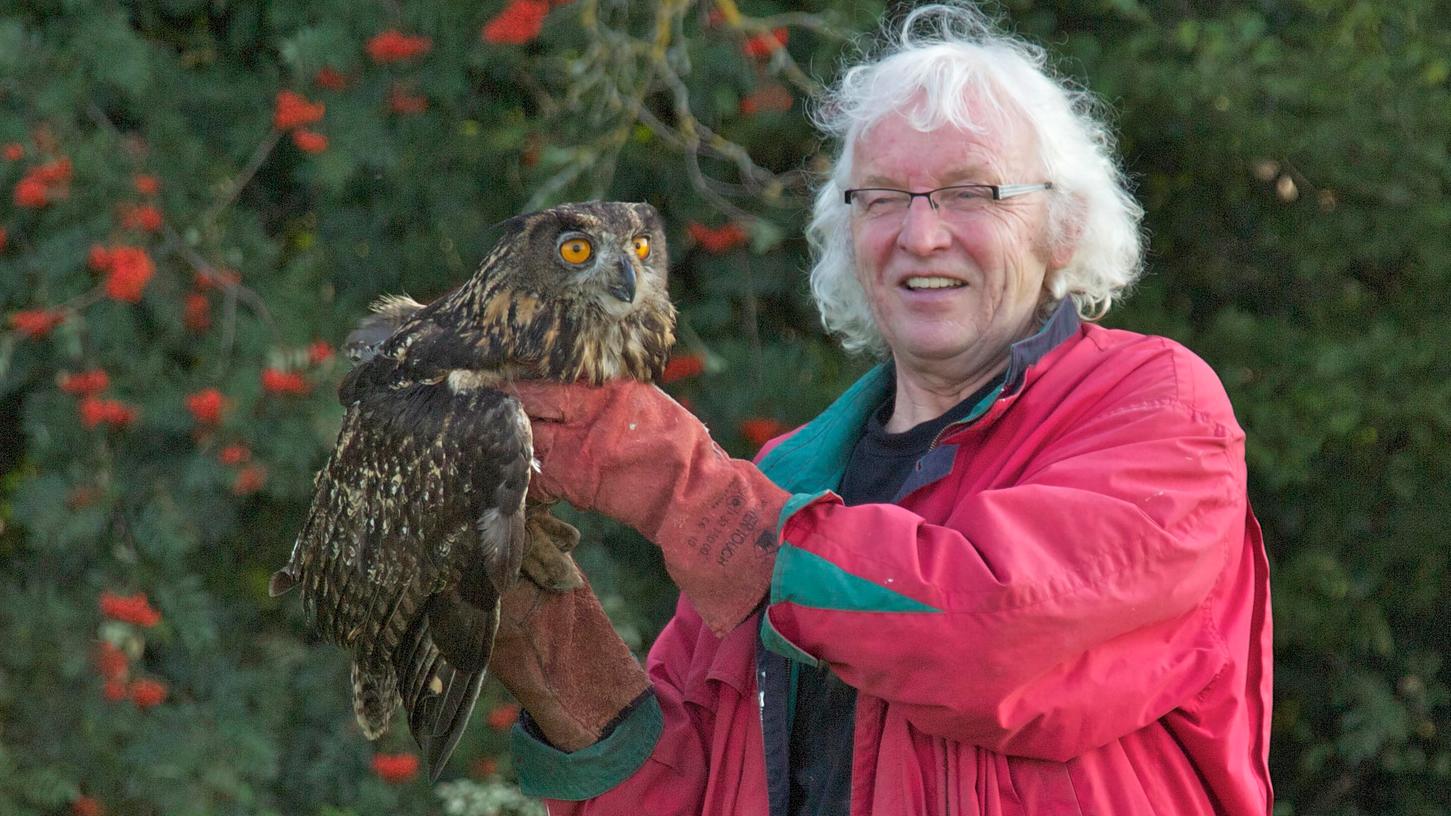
{"x":419,"y":521}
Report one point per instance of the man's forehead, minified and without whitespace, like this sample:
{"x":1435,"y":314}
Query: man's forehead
{"x":895,"y":146}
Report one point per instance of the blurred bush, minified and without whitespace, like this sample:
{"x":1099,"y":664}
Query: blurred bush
{"x":200,"y":198}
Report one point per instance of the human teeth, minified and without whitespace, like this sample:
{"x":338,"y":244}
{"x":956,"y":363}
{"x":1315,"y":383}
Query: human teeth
{"x":932,"y":283}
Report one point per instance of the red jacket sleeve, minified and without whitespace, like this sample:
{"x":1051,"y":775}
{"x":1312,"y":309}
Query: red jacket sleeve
{"x":1047,"y":616}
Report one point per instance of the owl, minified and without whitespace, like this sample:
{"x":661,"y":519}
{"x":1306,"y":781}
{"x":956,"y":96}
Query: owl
{"x":419,"y":521}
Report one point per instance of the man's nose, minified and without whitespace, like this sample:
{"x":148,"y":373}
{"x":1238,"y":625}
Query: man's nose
{"x":923,"y":229}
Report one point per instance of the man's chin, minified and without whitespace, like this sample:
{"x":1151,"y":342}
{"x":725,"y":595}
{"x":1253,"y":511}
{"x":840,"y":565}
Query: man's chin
{"x":933,"y":351}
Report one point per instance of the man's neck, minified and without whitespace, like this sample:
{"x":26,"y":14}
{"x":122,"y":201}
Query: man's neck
{"x":921,"y":396}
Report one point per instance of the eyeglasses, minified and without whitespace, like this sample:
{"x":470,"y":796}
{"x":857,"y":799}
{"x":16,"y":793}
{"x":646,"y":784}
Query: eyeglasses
{"x":885,"y":202}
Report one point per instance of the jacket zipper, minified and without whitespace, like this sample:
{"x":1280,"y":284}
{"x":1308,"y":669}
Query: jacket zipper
{"x":937,"y":440}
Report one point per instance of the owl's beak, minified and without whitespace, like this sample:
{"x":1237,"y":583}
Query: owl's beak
{"x":623,"y":285}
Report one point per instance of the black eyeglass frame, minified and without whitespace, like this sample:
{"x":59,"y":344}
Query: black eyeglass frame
{"x":999,"y":191}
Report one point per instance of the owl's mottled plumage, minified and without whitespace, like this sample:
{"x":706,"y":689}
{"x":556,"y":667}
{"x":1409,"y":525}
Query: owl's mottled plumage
{"x":418,"y":523}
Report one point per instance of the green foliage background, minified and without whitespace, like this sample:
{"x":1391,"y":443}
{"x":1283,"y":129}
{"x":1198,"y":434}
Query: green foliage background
{"x":1292,"y":156}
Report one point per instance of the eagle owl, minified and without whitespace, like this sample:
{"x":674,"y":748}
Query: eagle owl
{"x":419,"y":523}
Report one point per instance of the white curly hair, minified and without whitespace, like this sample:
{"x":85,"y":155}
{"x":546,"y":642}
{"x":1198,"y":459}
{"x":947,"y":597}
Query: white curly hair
{"x":927,"y":68}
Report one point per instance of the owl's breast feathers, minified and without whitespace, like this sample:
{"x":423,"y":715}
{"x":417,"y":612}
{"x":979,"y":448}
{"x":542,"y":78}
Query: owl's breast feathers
{"x":559,"y":340}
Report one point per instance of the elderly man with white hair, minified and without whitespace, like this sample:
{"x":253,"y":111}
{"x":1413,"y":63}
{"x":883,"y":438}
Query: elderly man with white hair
{"x":1013,"y":569}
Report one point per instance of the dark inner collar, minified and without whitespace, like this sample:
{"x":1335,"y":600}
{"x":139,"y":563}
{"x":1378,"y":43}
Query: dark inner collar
{"x":914,"y":440}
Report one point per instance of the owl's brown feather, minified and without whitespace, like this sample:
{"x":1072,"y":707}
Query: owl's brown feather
{"x":418,"y":522}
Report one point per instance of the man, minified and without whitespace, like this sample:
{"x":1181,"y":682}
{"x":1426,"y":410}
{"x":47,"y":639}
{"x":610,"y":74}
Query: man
{"x":1011,"y":570}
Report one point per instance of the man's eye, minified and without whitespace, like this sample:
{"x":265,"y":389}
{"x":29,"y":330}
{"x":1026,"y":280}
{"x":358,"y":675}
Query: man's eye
{"x":962,"y":195}
{"x":964,"y":199}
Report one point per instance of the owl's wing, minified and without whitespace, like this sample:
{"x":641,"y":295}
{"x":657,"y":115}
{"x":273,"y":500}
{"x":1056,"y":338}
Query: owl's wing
{"x":415,"y":529}
{"x":407,"y":343}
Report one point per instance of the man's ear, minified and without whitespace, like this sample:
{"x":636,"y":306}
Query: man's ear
{"x":1061,"y":251}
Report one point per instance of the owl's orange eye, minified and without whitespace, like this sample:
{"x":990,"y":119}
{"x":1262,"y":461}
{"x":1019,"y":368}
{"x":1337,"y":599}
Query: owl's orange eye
{"x":642,"y":247}
{"x":576,"y":250}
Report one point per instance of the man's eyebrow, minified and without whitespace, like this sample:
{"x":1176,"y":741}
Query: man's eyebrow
{"x":878,"y":181}
{"x":975,"y":174}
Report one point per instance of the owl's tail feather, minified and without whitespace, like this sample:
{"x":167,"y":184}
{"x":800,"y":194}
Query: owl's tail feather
{"x":375,"y":698}
{"x":438,"y":698}
{"x":441,"y":661}
{"x":463,"y":632}
{"x":449,"y":717}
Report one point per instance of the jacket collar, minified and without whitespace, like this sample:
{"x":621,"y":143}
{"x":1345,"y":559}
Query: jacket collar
{"x":1061,"y":324}
{"x":815,"y":457}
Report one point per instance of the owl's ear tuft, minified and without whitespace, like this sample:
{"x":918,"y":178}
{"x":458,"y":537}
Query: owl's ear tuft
{"x":648,"y":214}
{"x":509,"y":226}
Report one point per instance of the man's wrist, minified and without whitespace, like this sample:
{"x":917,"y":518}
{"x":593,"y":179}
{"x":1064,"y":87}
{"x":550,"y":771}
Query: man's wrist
{"x":719,"y":540}
{"x":533,"y":729}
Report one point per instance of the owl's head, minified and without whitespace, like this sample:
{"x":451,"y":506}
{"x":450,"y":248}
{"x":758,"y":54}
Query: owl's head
{"x":575,"y":292}
{"x":606,"y":254}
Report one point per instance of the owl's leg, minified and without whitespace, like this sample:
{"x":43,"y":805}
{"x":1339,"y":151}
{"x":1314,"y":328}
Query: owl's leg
{"x":546,"y":556}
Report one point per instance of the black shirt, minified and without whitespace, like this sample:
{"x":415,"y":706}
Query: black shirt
{"x":821,"y":731}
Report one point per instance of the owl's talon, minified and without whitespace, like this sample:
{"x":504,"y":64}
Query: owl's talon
{"x":546,"y":556}
{"x":562,"y":535}
{"x":554,"y":571}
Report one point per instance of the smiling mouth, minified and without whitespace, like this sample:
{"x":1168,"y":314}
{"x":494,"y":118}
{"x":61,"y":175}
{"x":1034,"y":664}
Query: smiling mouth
{"x":918,"y":282}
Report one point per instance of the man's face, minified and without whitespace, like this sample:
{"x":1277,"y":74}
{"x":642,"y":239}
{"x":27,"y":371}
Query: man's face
{"x":994,"y":258}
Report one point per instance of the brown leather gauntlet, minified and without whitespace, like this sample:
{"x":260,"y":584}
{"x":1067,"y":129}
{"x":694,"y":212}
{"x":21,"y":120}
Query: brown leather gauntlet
{"x":560,"y":656}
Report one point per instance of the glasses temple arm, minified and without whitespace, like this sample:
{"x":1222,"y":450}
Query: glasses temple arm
{"x":1009,"y":190}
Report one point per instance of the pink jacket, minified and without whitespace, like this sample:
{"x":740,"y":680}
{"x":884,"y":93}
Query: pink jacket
{"x":1066,"y":612}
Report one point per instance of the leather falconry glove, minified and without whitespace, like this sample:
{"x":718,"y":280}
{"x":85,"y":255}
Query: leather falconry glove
{"x":560,"y":657}
{"x":629,"y":451}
